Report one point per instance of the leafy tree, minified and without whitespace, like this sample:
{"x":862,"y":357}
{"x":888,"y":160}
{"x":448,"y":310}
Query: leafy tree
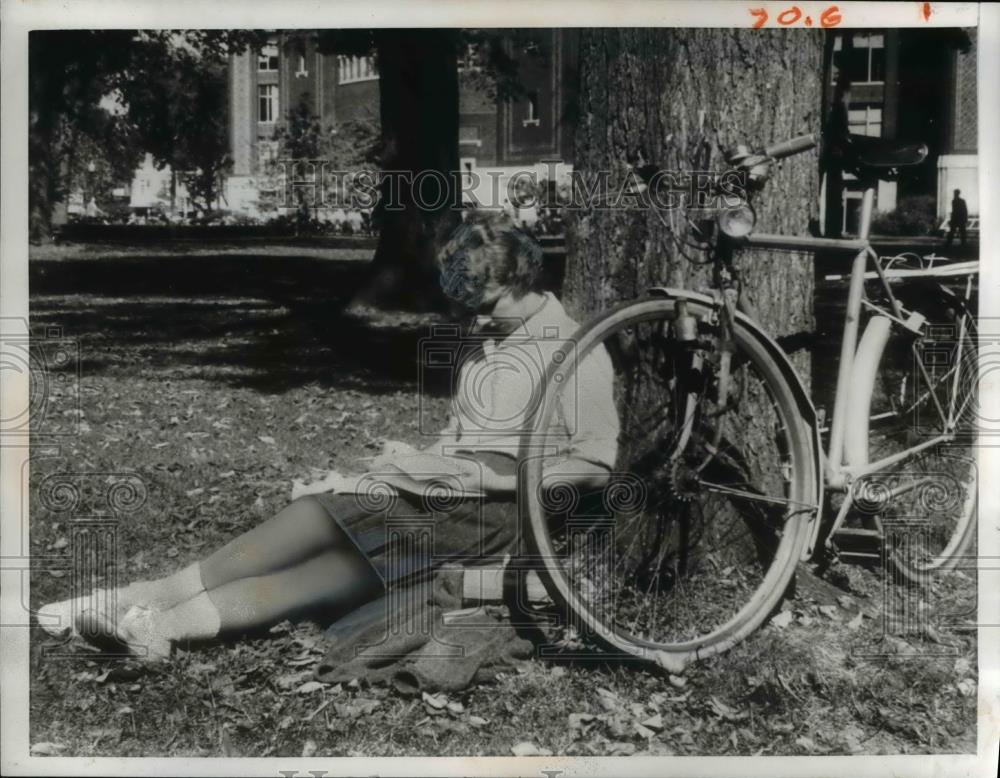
{"x":71,"y":71}
{"x":176,"y":98}
{"x":68,"y":76}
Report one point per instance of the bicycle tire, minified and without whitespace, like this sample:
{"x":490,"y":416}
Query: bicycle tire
{"x":935,"y":524}
{"x":777,"y":549}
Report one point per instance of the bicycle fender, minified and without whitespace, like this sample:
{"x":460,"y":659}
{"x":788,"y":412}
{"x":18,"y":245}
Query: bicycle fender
{"x":804,"y":402}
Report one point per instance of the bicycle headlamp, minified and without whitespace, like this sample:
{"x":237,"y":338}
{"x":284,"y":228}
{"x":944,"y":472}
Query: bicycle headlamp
{"x":736,"y":221}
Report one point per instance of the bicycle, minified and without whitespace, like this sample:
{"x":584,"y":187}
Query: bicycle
{"x":722,"y":485}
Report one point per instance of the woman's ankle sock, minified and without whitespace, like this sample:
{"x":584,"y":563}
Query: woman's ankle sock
{"x":164,"y":593}
{"x":194,"y":619}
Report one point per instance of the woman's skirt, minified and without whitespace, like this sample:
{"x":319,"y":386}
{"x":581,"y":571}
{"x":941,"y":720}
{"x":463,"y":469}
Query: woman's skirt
{"x":404,"y":535}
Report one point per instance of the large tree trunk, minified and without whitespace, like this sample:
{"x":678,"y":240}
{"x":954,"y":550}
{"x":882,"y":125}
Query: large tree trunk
{"x":419,"y":114}
{"x":663,"y":95}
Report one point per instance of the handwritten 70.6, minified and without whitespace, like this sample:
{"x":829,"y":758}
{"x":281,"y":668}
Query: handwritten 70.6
{"x":829,"y":18}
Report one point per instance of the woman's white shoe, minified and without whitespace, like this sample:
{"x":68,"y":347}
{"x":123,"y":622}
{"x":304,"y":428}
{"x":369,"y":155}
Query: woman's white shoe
{"x":61,"y":619}
{"x":57,"y":618}
{"x":142,"y":631}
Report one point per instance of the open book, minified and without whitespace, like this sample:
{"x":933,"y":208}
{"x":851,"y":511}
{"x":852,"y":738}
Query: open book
{"x":415,"y":472}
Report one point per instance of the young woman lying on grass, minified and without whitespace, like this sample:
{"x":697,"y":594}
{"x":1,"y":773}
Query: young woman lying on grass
{"x":328,"y":554}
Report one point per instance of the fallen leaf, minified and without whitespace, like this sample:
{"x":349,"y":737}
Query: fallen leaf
{"x":967,"y":687}
{"x":782,"y":620}
{"x":608,"y":700}
{"x":47,"y":749}
{"x":226,"y":742}
{"x":309,"y":749}
{"x":477,"y":721}
{"x":580,"y":720}
{"x":806,"y":743}
{"x":654,"y":723}
{"x":309,"y":687}
{"x":267,"y":439}
{"x":725,"y":711}
{"x":830,"y":611}
{"x":621,"y":749}
{"x":677,"y":681}
{"x":366,"y":706}
{"x":292,"y":679}
{"x":855,"y":623}
{"x":456,"y":707}
{"x":436,"y":701}
{"x":526,"y":748}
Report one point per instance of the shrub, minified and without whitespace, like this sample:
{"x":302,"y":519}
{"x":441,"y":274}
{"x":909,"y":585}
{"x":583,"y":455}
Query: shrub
{"x":912,"y":216}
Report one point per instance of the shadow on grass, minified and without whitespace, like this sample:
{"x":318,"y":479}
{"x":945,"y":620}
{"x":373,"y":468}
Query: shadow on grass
{"x":268,"y":322}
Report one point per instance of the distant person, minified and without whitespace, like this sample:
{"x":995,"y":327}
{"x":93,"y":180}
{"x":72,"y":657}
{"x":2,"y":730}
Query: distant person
{"x":959,"y":219}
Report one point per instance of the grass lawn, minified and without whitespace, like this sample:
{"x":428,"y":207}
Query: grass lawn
{"x":217,"y":376}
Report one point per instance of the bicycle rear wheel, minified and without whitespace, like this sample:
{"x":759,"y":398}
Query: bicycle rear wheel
{"x":696,"y":536}
{"x":927,"y":503}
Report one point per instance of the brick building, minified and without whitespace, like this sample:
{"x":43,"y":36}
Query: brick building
{"x":496,"y":137}
{"x":912,"y":85}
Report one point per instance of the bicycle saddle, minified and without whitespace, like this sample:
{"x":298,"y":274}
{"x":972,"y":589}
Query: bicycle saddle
{"x":870,"y":158}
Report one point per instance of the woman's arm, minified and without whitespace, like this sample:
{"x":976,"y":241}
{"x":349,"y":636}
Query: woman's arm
{"x":583,"y":475}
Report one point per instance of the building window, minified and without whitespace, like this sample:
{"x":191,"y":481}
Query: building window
{"x":862,"y":56}
{"x":469,"y":136}
{"x":353,"y":69}
{"x":531,"y":117}
{"x":471,"y":59}
{"x":302,"y":71}
{"x":267,"y":60}
{"x":865,"y":120}
{"x":267,"y":103}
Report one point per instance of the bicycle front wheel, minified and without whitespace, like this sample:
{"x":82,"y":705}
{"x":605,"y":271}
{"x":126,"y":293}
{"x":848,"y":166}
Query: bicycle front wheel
{"x":696,"y":535}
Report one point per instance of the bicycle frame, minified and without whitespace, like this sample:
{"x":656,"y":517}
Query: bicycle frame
{"x":846,"y":458}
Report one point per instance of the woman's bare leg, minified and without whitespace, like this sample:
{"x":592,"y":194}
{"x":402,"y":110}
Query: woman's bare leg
{"x":333,"y":583}
{"x":301,"y":530}
{"x":297,"y":532}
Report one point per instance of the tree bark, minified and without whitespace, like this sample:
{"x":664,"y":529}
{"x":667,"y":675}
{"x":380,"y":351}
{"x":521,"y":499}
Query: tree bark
{"x":673,"y":97}
{"x":418,"y":72}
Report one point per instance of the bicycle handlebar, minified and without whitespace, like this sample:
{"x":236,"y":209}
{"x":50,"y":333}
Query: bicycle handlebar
{"x":792,"y":146}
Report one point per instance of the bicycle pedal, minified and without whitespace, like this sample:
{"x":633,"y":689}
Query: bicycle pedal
{"x":861,"y":546}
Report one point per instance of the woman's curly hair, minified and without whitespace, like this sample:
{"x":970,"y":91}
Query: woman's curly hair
{"x":488,"y":245}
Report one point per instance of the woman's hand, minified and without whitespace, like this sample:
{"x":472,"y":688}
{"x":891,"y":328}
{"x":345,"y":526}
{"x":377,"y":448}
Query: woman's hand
{"x":493,"y":483}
